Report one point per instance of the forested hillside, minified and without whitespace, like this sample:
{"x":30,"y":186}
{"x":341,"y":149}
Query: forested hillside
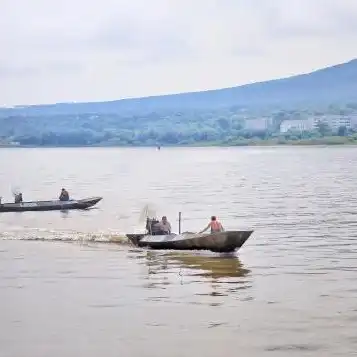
{"x":216,"y":115}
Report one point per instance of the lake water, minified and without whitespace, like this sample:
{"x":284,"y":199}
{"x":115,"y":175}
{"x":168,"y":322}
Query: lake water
{"x":65,"y":290}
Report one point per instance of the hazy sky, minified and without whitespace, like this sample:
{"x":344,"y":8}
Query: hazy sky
{"x":90,"y":50}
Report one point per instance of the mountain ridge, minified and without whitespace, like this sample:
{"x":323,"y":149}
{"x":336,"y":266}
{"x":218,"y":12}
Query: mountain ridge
{"x":336,"y":83}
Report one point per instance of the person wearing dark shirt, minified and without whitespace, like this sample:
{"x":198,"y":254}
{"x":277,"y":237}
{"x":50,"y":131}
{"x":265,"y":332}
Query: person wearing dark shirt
{"x":18,"y":197}
{"x":64,"y":196}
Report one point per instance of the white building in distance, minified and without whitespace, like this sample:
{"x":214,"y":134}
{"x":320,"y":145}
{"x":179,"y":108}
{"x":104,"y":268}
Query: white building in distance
{"x":309,"y":124}
{"x":297,"y":125}
{"x":335,"y":121}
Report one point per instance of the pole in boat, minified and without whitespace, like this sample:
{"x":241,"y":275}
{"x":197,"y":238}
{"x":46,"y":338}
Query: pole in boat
{"x":179,"y":222}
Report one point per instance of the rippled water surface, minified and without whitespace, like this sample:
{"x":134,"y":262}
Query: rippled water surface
{"x":68,"y":287}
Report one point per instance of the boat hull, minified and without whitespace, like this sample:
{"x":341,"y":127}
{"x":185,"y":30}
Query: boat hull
{"x":49,"y":205}
{"x":222,"y":242}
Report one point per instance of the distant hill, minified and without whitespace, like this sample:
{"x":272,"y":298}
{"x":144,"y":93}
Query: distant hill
{"x":230,"y":116}
{"x":336,"y":84}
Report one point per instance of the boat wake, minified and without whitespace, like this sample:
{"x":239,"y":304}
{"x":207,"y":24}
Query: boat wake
{"x":64,"y":236}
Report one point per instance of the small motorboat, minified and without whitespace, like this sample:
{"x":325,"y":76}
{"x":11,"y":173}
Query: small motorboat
{"x":49,"y":205}
{"x":222,"y":242}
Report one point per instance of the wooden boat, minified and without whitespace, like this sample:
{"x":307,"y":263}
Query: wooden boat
{"x":49,"y":205}
{"x":223,"y":242}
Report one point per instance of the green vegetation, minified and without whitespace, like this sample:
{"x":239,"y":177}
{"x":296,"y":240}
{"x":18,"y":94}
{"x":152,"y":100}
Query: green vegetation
{"x":221,"y":127}
{"x":220,"y":117}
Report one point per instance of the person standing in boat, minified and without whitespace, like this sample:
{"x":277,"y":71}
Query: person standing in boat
{"x":18,"y":197}
{"x":64,"y":196}
{"x":215,"y":226}
{"x":165,"y":226}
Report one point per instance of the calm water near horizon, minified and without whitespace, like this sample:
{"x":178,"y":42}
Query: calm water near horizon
{"x":67,"y":290}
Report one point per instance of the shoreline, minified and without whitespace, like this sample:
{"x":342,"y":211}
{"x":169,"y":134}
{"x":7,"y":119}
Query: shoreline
{"x":198,"y":145}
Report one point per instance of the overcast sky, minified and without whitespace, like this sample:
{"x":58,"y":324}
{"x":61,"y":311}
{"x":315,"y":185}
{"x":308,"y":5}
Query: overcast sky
{"x":91,"y":50}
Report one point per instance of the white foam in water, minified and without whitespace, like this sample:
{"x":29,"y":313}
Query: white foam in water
{"x":18,"y":233}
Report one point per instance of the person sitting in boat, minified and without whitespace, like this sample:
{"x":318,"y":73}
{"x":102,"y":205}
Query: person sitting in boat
{"x":18,"y":197}
{"x":215,"y":226}
{"x":164,"y":226}
{"x":64,"y":196}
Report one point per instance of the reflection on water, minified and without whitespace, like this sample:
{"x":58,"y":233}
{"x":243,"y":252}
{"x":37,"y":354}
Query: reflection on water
{"x":220,"y":275}
{"x":214,"y":267}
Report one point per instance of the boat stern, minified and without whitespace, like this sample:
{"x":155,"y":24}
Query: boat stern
{"x":135,"y":238}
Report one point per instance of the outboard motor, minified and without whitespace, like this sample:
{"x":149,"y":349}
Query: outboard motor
{"x":152,"y":226}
